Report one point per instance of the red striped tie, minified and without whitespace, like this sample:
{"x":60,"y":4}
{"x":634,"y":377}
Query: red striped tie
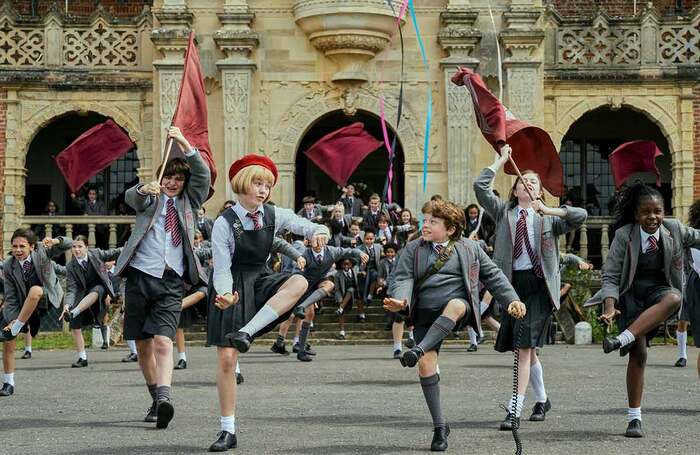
{"x":172,"y":223}
{"x":256,"y":220}
{"x":521,"y":238}
{"x":652,"y":244}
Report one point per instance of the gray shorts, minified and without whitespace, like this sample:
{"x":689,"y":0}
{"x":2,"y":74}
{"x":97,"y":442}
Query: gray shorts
{"x":152,"y":306}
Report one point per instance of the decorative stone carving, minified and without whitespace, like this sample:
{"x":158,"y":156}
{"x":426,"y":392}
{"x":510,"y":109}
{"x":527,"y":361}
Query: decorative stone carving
{"x":459,"y":37}
{"x":100,"y":45}
{"x":169,"y":82}
{"x":599,"y":44}
{"x":236,"y":92}
{"x":460,"y":146}
{"x":21,"y":46}
{"x":522,"y":91}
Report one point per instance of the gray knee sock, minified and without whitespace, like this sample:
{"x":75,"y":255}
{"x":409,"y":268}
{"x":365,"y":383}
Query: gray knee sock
{"x":431,"y":392}
{"x":315,"y":296}
{"x":152,"y":391}
{"x":436,"y":333}
{"x":103,"y":330}
{"x":163,"y":392}
{"x":303,"y":335}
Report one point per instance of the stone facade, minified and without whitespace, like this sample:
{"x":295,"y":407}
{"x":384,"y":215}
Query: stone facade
{"x":273,"y":68}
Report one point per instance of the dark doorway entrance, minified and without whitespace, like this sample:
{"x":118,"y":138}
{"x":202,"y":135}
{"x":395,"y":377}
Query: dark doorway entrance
{"x":368,"y":178}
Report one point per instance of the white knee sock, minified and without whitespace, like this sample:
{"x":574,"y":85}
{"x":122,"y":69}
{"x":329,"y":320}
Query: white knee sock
{"x":16,"y":327}
{"x":472,"y":336}
{"x":520,"y":401}
{"x":238,"y":368}
{"x":265,"y":316}
{"x":182,"y":356}
{"x":397,"y":345}
{"x":10,"y":379}
{"x":132,"y":345}
{"x":228,"y":423}
{"x":537,"y":382}
{"x":634,"y":413}
{"x":27,"y":349}
{"x":483,"y":306}
{"x":75,"y":312}
{"x":682,"y":338}
{"x":82,"y":355}
{"x":626,"y":338}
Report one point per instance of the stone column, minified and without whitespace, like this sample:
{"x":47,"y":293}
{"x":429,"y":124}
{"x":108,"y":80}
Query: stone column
{"x":458,"y":38}
{"x":15,"y":169}
{"x":237,"y":41}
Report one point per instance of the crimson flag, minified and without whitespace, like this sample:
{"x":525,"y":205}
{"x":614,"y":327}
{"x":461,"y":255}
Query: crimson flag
{"x":91,"y":152}
{"x":191,"y":110}
{"x":632,"y":157}
{"x":532,"y":147}
{"x":339,"y":153}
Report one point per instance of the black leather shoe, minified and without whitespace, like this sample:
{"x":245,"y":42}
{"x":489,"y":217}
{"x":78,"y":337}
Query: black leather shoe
{"x":397,"y":354}
{"x":279,"y":348}
{"x":410,"y":358}
{"x":634,"y":429}
{"x":681,"y":363}
{"x":299,"y":312}
{"x":239,"y":378}
{"x":611,"y":344}
{"x":410,"y":342}
{"x":507,"y":424}
{"x":308,"y":349}
{"x":105,"y":346}
{"x":151,"y":416}
{"x":164,"y":412}
{"x":540,"y":410}
{"x":181,"y":364}
{"x":304,"y":357}
{"x":224,"y":442}
{"x":439,"y":443}
{"x":80,"y":363}
{"x":28,"y":355}
{"x":130,"y":358}
{"x":7,"y":390}
{"x":472,"y":348}
{"x":239,"y":340}
{"x":339,"y":312}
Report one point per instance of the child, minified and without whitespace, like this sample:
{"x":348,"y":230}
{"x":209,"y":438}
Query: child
{"x":634,"y":289}
{"x":394,"y":320}
{"x":347,"y":288}
{"x":526,"y":249}
{"x":30,"y":283}
{"x":87,"y":286}
{"x":356,"y":234}
{"x":245,"y":300}
{"x":310,"y":211}
{"x":690,"y":311}
{"x":156,"y":261}
{"x":385,"y":233}
{"x":405,"y":228}
{"x":369,"y":272}
{"x":437,"y":282}
{"x":370,"y":221}
{"x":352,"y":203}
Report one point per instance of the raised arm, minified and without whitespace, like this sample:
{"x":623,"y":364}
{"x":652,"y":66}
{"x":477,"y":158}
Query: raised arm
{"x":108,"y":255}
{"x":137,"y":200}
{"x":491,"y":203}
{"x":288,"y":220}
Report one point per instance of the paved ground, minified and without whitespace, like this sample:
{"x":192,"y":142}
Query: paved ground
{"x":350,"y":400}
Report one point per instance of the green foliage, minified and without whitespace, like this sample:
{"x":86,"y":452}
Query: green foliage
{"x":53,"y":340}
{"x":580,"y":281}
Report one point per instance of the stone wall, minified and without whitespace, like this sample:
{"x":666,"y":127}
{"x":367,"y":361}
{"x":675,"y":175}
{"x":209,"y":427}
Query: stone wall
{"x":617,"y":7}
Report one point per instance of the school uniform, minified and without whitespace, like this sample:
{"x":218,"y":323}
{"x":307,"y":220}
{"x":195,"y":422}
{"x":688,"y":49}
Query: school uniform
{"x":690,"y":311}
{"x":205,"y":225}
{"x":353,"y":206}
{"x":18,"y":278}
{"x":318,"y":265}
{"x":346,"y":282}
{"x":311,"y":215}
{"x":534,"y":273}
{"x":159,"y":255}
{"x":371,"y":268}
{"x":87,"y":275}
{"x":370,"y":220}
{"x":241,"y":244}
{"x":631,"y":274}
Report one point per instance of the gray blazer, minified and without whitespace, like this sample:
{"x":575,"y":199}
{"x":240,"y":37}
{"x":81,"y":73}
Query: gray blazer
{"x":547,"y":230}
{"x":94,"y":210}
{"x":476,"y":266}
{"x":621,"y":264}
{"x":374,"y":252}
{"x":16,"y":291}
{"x":148,"y":209}
{"x":339,"y":281}
{"x":76,"y":287}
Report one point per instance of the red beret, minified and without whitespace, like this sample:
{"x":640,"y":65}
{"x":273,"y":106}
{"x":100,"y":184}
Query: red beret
{"x":252,"y":160}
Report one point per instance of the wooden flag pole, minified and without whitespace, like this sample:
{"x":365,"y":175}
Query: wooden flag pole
{"x":520,"y":176}
{"x":168,"y":147}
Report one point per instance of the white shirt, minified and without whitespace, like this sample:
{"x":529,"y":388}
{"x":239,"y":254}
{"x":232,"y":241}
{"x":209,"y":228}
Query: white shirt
{"x":21,"y":263}
{"x":695,"y":254}
{"x":318,"y":256}
{"x":524,"y":262}
{"x":644,"y":238}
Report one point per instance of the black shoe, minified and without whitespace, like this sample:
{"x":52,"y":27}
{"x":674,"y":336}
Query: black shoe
{"x":279,"y":348}
{"x":299,"y":312}
{"x":611,"y":344}
{"x":634,"y":429}
{"x":239,"y":378}
{"x":308,"y":349}
{"x":397,"y":354}
{"x":224,"y":442}
{"x":151,"y":416}
{"x":181,"y":364}
{"x":339,"y":312}
{"x":361,"y":318}
{"x":507,"y":424}
{"x":439,"y":443}
{"x":340,"y":336}
{"x":410,"y":358}
{"x":239,"y":340}
{"x":7,"y":390}
{"x":681,"y":362}
{"x":472,"y":348}
{"x":304,"y":357}
{"x":540,"y":410}
{"x":28,"y":355}
{"x":130,"y":358}
{"x":105,"y":346}
{"x":164,"y":412}
{"x":80,"y":363}
{"x":410,"y":342}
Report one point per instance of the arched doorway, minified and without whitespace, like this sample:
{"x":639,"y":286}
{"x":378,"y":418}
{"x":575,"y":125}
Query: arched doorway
{"x":45,"y":182}
{"x":587,"y":177}
{"x":369,"y":177}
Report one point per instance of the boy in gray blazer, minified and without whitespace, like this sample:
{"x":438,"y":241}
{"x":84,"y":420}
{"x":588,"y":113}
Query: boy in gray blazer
{"x":437,"y":282}
{"x":30,"y":283}
{"x":156,"y":259}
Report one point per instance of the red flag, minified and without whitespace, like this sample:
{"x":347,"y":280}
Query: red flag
{"x":632,"y":157}
{"x":91,"y":152}
{"x":532,"y":147}
{"x":339,"y":153}
{"x":191,"y":110}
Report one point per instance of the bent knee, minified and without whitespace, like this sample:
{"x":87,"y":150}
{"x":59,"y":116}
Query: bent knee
{"x":298,"y":283}
{"x":457,"y":307}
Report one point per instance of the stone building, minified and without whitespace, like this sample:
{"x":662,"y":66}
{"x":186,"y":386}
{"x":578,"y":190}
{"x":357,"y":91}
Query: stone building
{"x":279,"y":74}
